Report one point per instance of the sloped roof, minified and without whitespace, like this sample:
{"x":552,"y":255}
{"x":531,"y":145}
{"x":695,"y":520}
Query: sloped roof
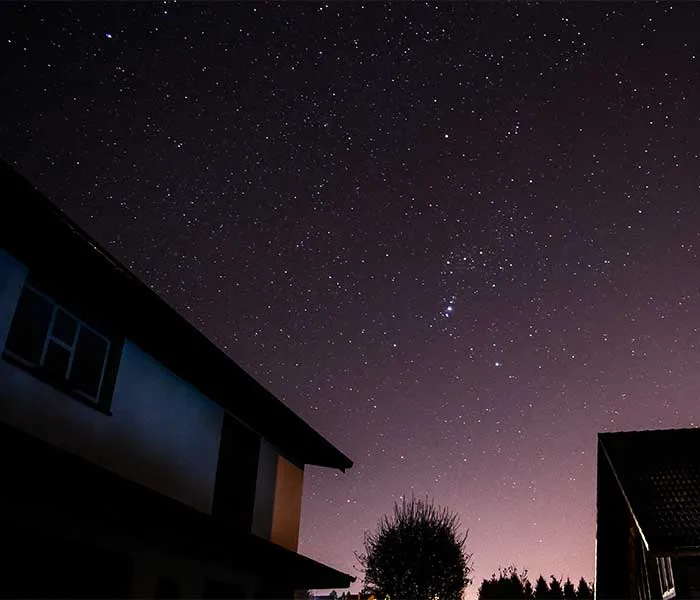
{"x":659,"y":473}
{"x":41,"y":236}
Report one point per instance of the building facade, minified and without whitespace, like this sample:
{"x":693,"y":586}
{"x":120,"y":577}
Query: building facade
{"x":648,"y":515}
{"x":139,"y":460}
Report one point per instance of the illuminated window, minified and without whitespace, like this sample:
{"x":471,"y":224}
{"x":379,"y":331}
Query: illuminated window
{"x":668,"y":588}
{"x":63,"y":349}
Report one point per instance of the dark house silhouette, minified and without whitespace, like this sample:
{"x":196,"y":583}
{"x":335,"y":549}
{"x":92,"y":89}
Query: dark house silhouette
{"x":136,"y":459}
{"x":648,"y":515}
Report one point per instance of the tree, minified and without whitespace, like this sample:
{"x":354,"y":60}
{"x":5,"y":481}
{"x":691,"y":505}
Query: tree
{"x":529,"y":592}
{"x":510,"y":585}
{"x":555,"y":590}
{"x":541,"y":588}
{"x":488,"y":590}
{"x":417,"y":553}
{"x":584,"y":591}
{"x":569,"y":590}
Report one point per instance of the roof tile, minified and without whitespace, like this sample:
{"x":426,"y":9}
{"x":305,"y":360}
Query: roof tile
{"x":659,"y":471}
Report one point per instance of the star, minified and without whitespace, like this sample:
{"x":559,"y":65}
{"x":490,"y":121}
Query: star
{"x":297,"y":200}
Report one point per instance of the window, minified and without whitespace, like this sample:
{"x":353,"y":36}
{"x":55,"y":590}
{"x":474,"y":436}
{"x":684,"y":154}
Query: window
{"x":668,"y":588}
{"x":59,"y":346}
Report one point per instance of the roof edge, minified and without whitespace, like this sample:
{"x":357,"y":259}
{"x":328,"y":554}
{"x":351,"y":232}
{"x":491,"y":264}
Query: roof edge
{"x":318,"y":451}
{"x":622,"y":490}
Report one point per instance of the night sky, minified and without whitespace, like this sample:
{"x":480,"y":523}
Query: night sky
{"x":459,"y":240}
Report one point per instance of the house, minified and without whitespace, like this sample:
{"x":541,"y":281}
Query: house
{"x":136,"y":459}
{"x":648,"y":515}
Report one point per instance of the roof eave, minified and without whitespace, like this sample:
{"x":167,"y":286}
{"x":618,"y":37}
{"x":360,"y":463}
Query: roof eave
{"x":295,"y":437}
{"x":622,"y":490}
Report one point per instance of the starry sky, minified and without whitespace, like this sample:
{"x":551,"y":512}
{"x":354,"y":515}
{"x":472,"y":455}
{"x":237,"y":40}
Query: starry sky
{"x":458,"y":239}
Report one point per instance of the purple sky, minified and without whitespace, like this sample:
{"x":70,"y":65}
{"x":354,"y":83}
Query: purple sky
{"x":459,"y":240}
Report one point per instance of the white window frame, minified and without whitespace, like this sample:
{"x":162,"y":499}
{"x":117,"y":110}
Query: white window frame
{"x":668,"y":586}
{"x":50,"y":337}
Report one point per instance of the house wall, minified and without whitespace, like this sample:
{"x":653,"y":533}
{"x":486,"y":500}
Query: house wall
{"x":237,"y":471}
{"x":641,"y":565}
{"x":265,"y":491}
{"x":278,"y":496}
{"x":613,"y":552}
{"x":286,"y":513}
{"x":686,"y":576}
{"x":162,"y":432}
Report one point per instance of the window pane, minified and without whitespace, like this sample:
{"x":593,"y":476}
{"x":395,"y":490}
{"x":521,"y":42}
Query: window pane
{"x":29,"y":326}
{"x":88,"y":362}
{"x":662,"y":573}
{"x":56,"y":360}
{"x":64,"y":327}
{"x":665,"y":573}
{"x":669,"y":573}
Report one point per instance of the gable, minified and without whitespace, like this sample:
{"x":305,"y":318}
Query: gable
{"x":659,"y":474}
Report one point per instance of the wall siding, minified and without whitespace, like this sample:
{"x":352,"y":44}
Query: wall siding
{"x":686,"y":576}
{"x":234,"y":495}
{"x":286,"y":514}
{"x":612,"y":536}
